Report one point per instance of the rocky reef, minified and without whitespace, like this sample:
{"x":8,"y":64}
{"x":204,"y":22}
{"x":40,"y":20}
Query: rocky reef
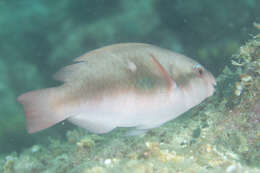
{"x":220,"y":135}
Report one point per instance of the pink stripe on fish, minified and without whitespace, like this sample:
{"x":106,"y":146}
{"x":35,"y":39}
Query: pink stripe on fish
{"x":171,"y":83}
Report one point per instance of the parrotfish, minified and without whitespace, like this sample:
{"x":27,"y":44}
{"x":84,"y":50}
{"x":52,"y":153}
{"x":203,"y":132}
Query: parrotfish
{"x":122,"y":85}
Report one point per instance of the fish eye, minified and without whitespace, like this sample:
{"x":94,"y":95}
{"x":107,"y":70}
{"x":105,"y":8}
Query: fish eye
{"x":198,"y":69}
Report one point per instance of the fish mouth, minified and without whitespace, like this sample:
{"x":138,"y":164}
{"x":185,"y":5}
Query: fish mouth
{"x":212,"y":83}
{"x":212,"y":79}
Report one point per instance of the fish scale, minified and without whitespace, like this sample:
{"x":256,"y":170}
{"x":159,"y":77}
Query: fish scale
{"x":122,"y":85}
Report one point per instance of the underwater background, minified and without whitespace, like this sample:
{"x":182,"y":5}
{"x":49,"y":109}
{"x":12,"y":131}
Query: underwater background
{"x":38,"y":37}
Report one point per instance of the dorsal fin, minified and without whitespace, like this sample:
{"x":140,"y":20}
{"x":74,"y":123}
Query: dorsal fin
{"x":76,"y":70}
{"x":70,"y":72}
{"x":111,"y":49}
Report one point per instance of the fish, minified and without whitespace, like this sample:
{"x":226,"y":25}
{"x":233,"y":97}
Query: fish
{"x":134,"y":85}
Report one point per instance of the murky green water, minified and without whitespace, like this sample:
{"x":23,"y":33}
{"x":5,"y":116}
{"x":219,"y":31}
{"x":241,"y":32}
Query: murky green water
{"x":220,"y":135}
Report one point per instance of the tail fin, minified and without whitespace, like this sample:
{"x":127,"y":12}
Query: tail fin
{"x":39,"y":109}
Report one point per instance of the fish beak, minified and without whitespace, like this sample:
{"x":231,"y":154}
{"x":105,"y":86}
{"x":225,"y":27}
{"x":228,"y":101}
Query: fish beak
{"x":214,"y":83}
{"x":212,"y":79}
{"x":211,"y":83}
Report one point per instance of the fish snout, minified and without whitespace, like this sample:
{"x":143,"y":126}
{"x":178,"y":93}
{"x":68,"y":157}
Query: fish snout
{"x":211,"y":81}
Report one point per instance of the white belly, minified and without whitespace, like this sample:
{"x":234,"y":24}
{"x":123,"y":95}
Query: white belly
{"x":128,"y":110}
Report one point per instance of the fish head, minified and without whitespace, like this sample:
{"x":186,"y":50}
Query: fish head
{"x":194,"y":81}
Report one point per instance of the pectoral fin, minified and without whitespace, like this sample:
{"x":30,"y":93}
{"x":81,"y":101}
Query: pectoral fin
{"x":164,"y":73}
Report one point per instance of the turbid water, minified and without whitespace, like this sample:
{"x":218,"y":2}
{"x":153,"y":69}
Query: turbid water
{"x":221,"y":134}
